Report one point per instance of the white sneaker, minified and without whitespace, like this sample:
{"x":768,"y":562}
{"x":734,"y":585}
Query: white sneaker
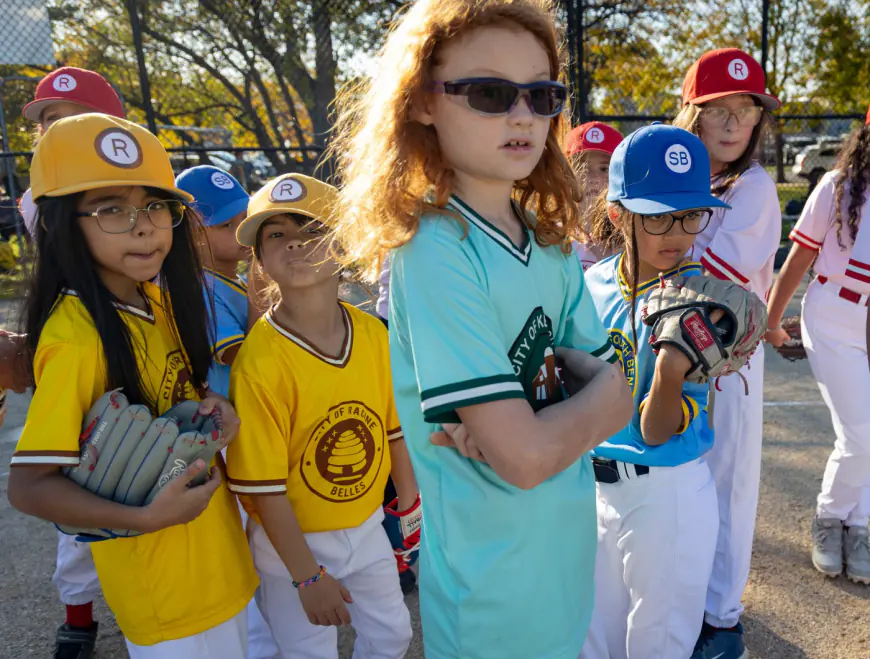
{"x":828,"y":546}
{"x":856,"y":540}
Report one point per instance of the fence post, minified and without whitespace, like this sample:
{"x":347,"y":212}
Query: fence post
{"x":765,"y":26}
{"x":581,"y":63}
{"x":144,"y":84}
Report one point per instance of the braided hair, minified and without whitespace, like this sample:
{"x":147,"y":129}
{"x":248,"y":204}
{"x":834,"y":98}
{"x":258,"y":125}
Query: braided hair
{"x":854,"y":165}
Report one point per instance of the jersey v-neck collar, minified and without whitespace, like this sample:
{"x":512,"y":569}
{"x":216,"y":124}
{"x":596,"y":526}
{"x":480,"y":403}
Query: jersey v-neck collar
{"x":643,"y":287}
{"x":144,"y":314}
{"x":340,"y":360}
{"x":234,"y":283}
{"x":497,"y":235}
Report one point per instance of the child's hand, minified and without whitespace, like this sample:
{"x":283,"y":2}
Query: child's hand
{"x":578,"y":368}
{"x":776,"y":336}
{"x":324,"y":602}
{"x":455,"y":435}
{"x":229,"y":423}
{"x":177,"y":502}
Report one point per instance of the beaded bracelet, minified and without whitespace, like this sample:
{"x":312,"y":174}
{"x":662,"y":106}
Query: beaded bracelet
{"x":308,"y":582}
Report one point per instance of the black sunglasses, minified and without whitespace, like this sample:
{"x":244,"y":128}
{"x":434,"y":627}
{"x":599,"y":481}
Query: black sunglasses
{"x":494,"y":96}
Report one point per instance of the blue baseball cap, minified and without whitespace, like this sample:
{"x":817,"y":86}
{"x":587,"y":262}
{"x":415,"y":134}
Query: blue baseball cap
{"x":217,"y":195}
{"x":661,"y":169}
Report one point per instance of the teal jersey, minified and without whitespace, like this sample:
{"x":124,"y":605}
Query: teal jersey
{"x":612,"y":295}
{"x":230,"y":323}
{"x":505,"y":573}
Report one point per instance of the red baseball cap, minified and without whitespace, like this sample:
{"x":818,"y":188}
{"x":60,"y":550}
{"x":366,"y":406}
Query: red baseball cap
{"x":593,"y":136}
{"x":80,"y":86}
{"x":726,"y":72}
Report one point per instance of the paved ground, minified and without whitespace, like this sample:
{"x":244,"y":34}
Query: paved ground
{"x":792,"y":612}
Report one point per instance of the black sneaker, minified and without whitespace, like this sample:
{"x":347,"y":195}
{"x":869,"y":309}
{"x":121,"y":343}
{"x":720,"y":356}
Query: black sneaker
{"x":75,"y":642}
{"x":408,"y":581}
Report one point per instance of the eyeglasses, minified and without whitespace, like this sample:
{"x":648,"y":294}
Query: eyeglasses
{"x":693,"y":222}
{"x":719,"y":116}
{"x":121,"y":218}
{"x":494,"y":96}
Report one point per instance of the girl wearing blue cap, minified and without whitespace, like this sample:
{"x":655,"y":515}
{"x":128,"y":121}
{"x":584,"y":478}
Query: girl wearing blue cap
{"x":222,"y":203}
{"x":657,"y":511}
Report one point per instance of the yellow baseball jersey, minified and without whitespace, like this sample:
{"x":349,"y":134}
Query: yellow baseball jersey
{"x":315,"y":427}
{"x":165,"y":585}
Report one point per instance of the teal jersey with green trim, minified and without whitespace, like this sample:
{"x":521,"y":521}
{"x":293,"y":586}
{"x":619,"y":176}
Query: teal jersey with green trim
{"x":230,"y":323}
{"x":506,"y":572}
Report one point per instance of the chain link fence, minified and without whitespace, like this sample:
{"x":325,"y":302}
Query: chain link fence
{"x":248,"y":85}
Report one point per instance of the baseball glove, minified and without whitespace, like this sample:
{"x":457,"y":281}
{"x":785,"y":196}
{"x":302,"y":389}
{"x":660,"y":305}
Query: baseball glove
{"x":793,"y":349}
{"x":679,"y":312}
{"x":403,"y":529}
{"x":127,"y":456}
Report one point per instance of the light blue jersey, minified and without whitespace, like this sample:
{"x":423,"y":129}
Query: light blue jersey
{"x":231,"y":323}
{"x":612,"y":295}
{"x":506,"y":573}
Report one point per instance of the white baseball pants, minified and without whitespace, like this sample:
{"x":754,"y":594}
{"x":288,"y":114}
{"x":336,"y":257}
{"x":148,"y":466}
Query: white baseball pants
{"x":836,"y":343}
{"x":226,"y":641}
{"x":735,"y":461}
{"x":75,"y":576}
{"x":656,"y":540}
{"x":362,"y":559}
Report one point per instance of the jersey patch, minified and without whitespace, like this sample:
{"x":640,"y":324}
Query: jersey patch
{"x":625,"y":353}
{"x":344,"y":453}
{"x":533,"y":359}
{"x":176,"y":385}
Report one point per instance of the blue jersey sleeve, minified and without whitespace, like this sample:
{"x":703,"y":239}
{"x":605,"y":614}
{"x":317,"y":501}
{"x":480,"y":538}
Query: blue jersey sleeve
{"x":230,"y":314}
{"x":581,"y":328}
{"x":443,"y":315}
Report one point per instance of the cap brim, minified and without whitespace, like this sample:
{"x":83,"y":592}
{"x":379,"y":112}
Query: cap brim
{"x":767,"y":101}
{"x":93,"y":185}
{"x":673,"y":202}
{"x":246,"y":234}
{"x":227,"y":213}
{"x":33,"y":110}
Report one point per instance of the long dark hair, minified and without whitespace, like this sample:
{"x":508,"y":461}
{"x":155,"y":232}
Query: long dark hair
{"x":63,"y":261}
{"x":854,"y":165}
{"x":689,"y":118}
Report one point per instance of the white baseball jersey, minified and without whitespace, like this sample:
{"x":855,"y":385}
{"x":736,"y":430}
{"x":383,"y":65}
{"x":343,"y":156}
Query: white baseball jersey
{"x":816,"y":230}
{"x":740,"y":244}
{"x":27,"y":208}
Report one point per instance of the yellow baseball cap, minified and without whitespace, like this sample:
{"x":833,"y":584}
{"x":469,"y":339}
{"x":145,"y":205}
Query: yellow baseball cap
{"x":290,"y":193}
{"x":91,"y":151}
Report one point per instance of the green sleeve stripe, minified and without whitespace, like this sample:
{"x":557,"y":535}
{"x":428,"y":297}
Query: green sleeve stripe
{"x":446,"y":412}
{"x":469,"y":385}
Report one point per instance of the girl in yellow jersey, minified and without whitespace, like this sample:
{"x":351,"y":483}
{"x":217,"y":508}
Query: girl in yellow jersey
{"x":320,"y":434}
{"x":110,"y":222}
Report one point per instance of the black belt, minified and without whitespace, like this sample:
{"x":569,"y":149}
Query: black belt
{"x":607,"y":472}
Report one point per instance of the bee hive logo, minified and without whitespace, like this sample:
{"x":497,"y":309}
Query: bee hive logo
{"x":625,"y":352}
{"x":534,"y":360}
{"x":176,"y":385}
{"x":344,"y":453}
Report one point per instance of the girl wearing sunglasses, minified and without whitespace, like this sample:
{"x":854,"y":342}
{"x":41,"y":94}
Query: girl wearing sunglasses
{"x":725,"y":104}
{"x":451,"y":159}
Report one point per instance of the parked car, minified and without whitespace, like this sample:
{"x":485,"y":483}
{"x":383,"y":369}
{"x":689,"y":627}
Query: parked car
{"x":815,"y":160}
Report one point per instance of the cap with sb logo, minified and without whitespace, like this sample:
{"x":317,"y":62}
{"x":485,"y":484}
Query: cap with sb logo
{"x":661,"y":169}
{"x":291,"y":193}
{"x":86,"y":88}
{"x":593,"y":136}
{"x":92,"y":151}
{"x":218,"y":196}
{"x":726,"y":72}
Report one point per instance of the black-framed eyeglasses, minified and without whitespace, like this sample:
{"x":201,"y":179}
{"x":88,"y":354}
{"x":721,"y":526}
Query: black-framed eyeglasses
{"x":746,"y":116}
{"x":495,"y":96}
{"x":121,"y":218}
{"x":693,"y":222}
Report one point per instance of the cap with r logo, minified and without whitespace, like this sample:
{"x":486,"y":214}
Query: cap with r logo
{"x":661,"y":169}
{"x":90,"y":151}
{"x":218,"y":196}
{"x":72,"y":85}
{"x":593,"y":136}
{"x":726,"y":72}
{"x":291,"y":193}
